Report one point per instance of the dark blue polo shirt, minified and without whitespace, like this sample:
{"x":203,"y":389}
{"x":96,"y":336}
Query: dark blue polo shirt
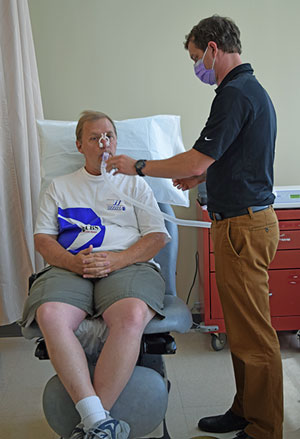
{"x":240,"y":135}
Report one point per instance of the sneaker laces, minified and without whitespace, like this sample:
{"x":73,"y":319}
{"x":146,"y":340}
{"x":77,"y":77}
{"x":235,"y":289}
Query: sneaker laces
{"x":78,"y":432}
{"x":99,"y":432}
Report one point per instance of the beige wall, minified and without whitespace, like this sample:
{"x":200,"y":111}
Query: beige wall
{"x":126,"y":58}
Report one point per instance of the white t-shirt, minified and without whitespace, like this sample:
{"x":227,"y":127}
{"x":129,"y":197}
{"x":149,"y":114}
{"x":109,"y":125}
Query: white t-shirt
{"x":81,"y":210}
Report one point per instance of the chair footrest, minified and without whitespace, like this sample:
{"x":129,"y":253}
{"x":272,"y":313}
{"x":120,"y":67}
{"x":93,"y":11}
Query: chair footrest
{"x":155,"y":344}
{"x":158,"y":344}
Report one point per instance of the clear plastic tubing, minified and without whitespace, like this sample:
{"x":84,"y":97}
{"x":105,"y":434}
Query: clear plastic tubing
{"x":178,"y":221}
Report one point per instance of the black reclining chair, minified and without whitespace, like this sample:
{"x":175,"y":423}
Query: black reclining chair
{"x":143,"y":402}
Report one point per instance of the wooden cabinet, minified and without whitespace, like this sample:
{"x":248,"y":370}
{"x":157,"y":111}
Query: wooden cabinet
{"x":284,"y":276}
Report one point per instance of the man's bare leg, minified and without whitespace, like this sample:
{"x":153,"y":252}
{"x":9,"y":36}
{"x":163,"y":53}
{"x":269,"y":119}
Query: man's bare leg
{"x":126,"y":320}
{"x":58,"y":321}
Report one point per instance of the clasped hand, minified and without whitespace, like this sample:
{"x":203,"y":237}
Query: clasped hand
{"x":98,"y":264}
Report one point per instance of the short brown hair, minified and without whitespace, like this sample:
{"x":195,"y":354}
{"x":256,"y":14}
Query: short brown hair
{"x":222,"y":30}
{"x":89,"y":116}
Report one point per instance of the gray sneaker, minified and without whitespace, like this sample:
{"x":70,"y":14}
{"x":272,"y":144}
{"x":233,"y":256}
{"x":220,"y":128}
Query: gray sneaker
{"x":78,"y":432}
{"x":108,"y":429}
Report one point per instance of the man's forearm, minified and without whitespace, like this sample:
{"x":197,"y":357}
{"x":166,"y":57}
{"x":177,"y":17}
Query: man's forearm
{"x":180,"y":166}
{"x":184,"y":165}
{"x":52,"y":252}
{"x":144,"y":249}
{"x":202,"y":177}
{"x":98,"y":264}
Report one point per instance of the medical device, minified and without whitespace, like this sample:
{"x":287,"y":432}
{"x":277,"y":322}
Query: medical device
{"x":180,"y":222}
{"x":286,"y":197}
{"x":103,"y":137}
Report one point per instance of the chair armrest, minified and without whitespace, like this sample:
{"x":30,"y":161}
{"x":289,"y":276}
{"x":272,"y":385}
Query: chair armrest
{"x":178,"y":317}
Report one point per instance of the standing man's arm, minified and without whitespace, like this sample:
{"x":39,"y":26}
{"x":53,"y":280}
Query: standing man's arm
{"x":187,"y":164}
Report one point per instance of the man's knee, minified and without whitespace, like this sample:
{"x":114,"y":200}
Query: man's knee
{"x":47,"y":313}
{"x":57,"y":315}
{"x":128,"y":315}
{"x":137,"y":315}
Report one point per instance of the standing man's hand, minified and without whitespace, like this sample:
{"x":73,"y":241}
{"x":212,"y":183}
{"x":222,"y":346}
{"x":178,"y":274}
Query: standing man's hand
{"x":121,"y":164}
{"x":189,"y":182}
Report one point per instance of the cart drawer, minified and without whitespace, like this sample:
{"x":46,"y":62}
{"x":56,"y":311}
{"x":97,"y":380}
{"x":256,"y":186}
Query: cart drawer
{"x":289,"y":239}
{"x":285,"y":259}
{"x":288,"y":214}
{"x":289,"y":225}
{"x":284,"y":286}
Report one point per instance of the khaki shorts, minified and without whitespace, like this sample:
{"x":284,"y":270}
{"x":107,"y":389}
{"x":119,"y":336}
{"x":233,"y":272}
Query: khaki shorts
{"x":141,"y":280}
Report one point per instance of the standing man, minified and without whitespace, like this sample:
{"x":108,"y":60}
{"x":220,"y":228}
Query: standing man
{"x":236,"y":147}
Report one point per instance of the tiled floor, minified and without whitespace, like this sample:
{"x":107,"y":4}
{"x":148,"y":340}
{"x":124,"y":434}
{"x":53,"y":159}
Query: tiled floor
{"x":202,"y":384}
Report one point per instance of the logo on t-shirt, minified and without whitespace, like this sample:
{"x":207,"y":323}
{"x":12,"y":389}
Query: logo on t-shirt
{"x":79,"y":227}
{"x":115,"y":205}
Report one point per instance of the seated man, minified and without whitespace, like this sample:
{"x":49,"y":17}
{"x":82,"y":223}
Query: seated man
{"x":100,"y":254}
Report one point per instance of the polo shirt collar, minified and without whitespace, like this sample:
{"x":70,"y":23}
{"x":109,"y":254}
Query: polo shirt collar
{"x":242,"y":68}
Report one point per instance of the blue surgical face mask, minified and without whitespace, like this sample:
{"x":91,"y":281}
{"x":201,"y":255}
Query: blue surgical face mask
{"x":205,"y":75}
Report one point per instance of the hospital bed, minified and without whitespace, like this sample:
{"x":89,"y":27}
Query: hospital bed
{"x":143,"y":403}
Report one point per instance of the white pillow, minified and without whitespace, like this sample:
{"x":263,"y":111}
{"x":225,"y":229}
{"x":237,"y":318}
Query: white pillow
{"x":155,"y":137}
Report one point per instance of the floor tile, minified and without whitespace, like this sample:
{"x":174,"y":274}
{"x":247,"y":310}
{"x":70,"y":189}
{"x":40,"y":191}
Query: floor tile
{"x":202,"y":384}
{"x":25,"y":428}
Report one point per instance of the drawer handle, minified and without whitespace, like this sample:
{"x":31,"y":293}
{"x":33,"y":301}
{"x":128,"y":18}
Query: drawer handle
{"x":281,"y":238}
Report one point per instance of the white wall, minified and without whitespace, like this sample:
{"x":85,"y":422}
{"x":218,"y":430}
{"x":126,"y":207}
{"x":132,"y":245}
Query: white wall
{"x":126,"y":58}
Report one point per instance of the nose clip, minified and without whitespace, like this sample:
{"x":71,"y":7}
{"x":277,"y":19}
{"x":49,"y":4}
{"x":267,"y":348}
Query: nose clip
{"x":103,"y":137}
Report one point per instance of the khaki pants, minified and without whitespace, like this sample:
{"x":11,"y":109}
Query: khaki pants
{"x":244,"y":246}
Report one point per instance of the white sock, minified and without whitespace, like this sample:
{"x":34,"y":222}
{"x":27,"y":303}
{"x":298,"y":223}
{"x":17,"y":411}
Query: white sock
{"x":91,"y":411}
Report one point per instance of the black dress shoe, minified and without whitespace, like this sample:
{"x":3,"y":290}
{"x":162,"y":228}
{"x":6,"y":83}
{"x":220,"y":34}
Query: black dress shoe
{"x":242,"y":435}
{"x":223,"y":423}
